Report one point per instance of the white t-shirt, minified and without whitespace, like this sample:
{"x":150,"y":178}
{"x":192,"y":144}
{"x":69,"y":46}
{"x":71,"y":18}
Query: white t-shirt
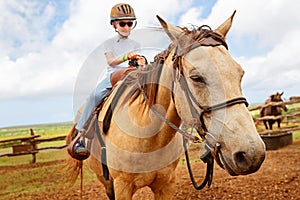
{"x":119,"y":47}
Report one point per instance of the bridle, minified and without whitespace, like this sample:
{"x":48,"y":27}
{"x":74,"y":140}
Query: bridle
{"x":212,"y":147}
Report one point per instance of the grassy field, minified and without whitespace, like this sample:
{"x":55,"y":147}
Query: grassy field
{"x":24,"y":177}
{"x":44,"y":131}
{"x":291,"y":108}
{"x":48,"y":175}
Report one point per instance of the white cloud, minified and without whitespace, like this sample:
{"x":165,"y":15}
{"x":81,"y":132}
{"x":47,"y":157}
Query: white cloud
{"x":279,"y":68}
{"x":35,"y":65}
{"x":264,"y":39}
{"x":146,"y":11}
{"x":192,"y":16}
{"x":41,"y":58}
{"x":23,"y":26}
{"x":45,"y":43}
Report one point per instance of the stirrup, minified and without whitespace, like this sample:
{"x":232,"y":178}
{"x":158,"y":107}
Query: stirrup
{"x":80,"y":155}
{"x":81,"y":150}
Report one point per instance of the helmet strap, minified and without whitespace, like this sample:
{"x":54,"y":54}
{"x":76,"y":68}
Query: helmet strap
{"x":135,"y":23}
{"x":122,"y":36}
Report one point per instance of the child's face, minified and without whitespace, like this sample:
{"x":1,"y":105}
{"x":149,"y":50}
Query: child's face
{"x":124,"y":26}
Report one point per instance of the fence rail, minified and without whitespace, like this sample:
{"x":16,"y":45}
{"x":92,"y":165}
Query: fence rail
{"x":28,"y":145}
{"x":282,"y":130}
{"x":291,"y":118}
{"x":274,"y":104}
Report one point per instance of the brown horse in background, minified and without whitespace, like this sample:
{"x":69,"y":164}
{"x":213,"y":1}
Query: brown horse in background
{"x":273,"y":110}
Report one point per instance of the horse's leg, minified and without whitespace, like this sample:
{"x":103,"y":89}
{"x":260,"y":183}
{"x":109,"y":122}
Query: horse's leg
{"x":96,"y":166}
{"x":278,"y":123}
{"x":165,"y":192}
{"x":123,"y":189}
{"x":164,"y":189}
{"x":271,"y":122}
{"x":265,"y":123}
{"x":109,"y":187}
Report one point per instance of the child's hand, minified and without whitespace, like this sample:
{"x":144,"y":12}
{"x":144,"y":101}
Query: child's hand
{"x":141,"y":60}
{"x":131,"y":55}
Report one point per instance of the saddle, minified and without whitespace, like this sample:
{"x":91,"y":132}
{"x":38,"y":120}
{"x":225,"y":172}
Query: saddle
{"x":97,"y":116}
{"x":119,"y":74}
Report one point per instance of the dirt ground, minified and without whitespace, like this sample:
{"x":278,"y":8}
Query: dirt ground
{"x":278,"y":178}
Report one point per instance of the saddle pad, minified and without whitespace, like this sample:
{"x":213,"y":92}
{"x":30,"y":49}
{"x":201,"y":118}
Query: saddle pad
{"x":108,"y":101}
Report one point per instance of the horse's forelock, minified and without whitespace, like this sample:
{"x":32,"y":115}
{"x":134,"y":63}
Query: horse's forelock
{"x":192,"y":38}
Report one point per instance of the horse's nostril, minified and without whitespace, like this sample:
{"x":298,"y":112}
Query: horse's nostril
{"x":241,"y":160}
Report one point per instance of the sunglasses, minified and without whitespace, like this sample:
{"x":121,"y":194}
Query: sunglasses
{"x":123,"y":24}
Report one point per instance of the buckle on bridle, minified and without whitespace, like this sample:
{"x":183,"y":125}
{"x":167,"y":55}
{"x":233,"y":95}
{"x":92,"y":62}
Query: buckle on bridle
{"x":211,"y":150}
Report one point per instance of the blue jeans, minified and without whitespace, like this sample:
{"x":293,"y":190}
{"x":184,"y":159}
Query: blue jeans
{"x":99,"y":93}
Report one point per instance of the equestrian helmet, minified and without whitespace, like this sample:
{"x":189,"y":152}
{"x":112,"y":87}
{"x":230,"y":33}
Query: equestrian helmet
{"x":122,"y":11}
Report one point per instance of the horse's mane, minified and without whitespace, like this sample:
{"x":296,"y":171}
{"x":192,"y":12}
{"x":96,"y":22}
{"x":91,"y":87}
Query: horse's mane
{"x":146,"y":78}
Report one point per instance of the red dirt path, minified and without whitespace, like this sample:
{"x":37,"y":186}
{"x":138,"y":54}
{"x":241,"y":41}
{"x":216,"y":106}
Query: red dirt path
{"x":278,"y":178}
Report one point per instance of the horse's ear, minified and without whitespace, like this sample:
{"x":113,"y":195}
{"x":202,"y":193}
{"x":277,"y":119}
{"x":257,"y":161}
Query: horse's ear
{"x":281,"y":93}
{"x":173,"y":31}
{"x":225,"y":27}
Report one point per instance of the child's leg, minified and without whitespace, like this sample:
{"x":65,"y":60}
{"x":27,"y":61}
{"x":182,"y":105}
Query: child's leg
{"x":98,"y":94}
{"x":80,"y":150}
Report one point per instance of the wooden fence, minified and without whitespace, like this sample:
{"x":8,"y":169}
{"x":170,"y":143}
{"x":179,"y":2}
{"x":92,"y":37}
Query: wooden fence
{"x":290,"y":119}
{"x":279,"y":137}
{"x":28,"y":145}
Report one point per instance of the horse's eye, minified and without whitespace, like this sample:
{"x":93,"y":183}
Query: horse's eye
{"x":198,"y":79}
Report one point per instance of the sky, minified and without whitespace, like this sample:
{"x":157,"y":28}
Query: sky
{"x":45,"y":46}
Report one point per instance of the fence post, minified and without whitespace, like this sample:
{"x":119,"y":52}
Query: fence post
{"x":32,"y":142}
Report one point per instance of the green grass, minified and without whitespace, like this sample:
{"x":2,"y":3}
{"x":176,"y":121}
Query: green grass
{"x":291,"y":108}
{"x":21,"y":178}
{"x":29,"y":180}
{"x":42,"y":156}
{"x":44,"y":130}
{"x":296,"y":135}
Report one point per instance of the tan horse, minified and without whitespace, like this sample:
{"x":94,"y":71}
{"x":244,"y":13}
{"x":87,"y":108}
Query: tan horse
{"x":194,"y":82}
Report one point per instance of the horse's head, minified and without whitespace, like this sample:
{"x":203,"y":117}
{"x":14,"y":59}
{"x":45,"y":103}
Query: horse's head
{"x":207,"y":89}
{"x":278,"y":98}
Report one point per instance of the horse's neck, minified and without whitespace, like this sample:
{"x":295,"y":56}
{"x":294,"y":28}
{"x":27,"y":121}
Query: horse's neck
{"x":138,"y":122}
{"x":164,"y":98}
